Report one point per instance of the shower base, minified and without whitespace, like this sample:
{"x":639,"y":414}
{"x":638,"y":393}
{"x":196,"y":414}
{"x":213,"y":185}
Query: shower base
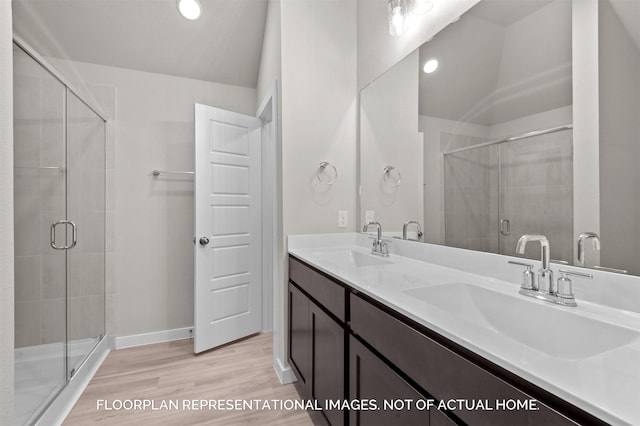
{"x":40,"y":376}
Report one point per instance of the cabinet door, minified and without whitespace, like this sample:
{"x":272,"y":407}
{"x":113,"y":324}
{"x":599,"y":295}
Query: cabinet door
{"x":372,"y":379}
{"x":328,"y":363}
{"x":300,"y":339}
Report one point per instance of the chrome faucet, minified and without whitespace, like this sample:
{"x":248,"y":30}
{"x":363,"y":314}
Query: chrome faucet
{"x":563,"y":295}
{"x":545,"y":288}
{"x":366,"y":228}
{"x":545,"y":284}
{"x":380,"y":247}
{"x":582,"y":240}
{"x":406,"y":225}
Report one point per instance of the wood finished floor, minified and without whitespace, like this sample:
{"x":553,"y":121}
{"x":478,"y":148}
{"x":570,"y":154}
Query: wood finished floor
{"x":170,"y":371}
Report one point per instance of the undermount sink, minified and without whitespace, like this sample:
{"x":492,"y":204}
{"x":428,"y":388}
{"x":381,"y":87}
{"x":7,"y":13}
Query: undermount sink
{"x":554,"y":331}
{"x":351,"y":258}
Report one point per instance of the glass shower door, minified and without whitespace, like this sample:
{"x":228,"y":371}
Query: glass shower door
{"x":470,"y":197}
{"x":536,"y":193}
{"x":86,"y":206}
{"x":40,"y":270}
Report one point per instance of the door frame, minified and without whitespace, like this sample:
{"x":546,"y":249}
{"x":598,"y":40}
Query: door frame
{"x":274,"y":255}
{"x":267,"y":112}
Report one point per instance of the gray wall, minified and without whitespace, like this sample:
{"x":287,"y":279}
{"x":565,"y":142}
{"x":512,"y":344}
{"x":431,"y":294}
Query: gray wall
{"x":150,"y":258}
{"x":318,"y":123}
{"x":619,"y":143}
{"x":6,"y":215}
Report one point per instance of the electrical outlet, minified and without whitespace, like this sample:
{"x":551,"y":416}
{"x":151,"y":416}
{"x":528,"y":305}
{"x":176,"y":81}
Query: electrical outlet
{"x":343,"y":218}
{"x":369,"y":216}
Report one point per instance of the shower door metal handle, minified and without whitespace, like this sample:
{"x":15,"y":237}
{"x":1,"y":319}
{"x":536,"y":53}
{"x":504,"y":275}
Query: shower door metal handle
{"x":74,"y":235}
{"x":505,"y":227}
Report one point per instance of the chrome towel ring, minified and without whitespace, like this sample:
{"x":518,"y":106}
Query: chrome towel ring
{"x":322,"y":170}
{"x":392,"y":175}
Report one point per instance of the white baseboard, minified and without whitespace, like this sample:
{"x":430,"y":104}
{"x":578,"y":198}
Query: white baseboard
{"x":285,"y":374}
{"x":121,"y":342}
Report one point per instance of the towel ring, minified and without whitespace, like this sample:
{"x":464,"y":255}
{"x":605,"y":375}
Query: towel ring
{"x":322,"y":169}
{"x":388,"y":176}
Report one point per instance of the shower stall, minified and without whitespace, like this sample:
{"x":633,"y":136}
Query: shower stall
{"x":59,"y":163}
{"x":496,"y":191}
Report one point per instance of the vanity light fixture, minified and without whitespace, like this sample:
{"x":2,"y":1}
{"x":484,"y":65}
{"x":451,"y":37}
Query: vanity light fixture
{"x":430,"y":66}
{"x":397,"y":17}
{"x":190,"y":9}
{"x":400,"y":10}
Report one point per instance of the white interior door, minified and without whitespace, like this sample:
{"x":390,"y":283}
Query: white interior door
{"x":228,"y":263}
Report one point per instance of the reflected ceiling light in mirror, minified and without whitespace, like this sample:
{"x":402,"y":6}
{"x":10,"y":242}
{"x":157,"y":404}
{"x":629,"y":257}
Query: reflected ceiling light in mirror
{"x":397,"y":17}
{"x":430,"y":66}
{"x":420,"y":7}
{"x":190,"y":9}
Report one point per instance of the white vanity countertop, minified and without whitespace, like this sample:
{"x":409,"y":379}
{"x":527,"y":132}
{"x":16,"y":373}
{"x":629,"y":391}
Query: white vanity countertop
{"x":605,"y":383}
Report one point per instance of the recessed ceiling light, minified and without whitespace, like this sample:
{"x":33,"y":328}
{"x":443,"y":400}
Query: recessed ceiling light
{"x":190,"y":9}
{"x":430,"y":66}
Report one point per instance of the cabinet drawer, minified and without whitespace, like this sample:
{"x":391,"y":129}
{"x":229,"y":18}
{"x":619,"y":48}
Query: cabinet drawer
{"x":442,"y":372}
{"x":327,"y":293}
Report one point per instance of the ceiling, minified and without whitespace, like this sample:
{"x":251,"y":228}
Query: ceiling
{"x":496,"y":65}
{"x":506,"y":12}
{"x":224,"y":45}
{"x":629,"y":14}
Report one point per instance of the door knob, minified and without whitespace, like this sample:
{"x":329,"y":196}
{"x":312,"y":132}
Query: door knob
{"x":204,"y":241}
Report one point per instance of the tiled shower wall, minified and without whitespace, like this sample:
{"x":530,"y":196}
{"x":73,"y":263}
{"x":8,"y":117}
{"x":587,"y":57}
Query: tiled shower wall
{"x":529,"y":182}
{"x":469,"y":179}
{"x":536,"y":192}
{"x":39,"y":197}
{"x":86,"y":201}
{"x":41,"y":306}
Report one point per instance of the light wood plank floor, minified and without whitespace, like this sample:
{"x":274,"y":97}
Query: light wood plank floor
{"x":170,"y":371}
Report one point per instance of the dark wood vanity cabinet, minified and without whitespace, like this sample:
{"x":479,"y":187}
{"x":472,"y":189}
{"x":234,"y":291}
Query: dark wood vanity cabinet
{"x":370,"y":379}
{"x":358,"y":349}
{"x":317,"y":342}
{"x":443,"y":373}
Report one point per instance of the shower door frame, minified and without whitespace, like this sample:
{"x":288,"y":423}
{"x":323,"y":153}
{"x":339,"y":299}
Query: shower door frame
{"x":54,"y":407}
{"x":500,"y":198}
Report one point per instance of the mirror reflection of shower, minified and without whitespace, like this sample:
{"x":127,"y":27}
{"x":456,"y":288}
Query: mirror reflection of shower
{"x":496,"y":191}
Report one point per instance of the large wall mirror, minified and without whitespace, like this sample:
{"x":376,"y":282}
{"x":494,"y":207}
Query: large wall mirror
{"x":484,"y":148}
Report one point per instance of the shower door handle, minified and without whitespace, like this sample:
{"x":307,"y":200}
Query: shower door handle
{"x":74,"y":235}
{"x":505,"y":227}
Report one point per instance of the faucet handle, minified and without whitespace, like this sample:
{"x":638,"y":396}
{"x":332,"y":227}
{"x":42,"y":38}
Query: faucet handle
{"x":528,"y":277}
{"x":565,"y":288}
{"x":565,"y":273}
{"x":384,"y":247}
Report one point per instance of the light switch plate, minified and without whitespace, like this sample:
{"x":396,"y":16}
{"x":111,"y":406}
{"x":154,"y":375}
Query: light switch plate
{"x":343,"y":218}
{"x":369,"y":216}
